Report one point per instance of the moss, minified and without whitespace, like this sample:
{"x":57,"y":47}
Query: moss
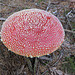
{"x":66,"y":12}
{"x":73,"y":26}
{"x":40,"y":0}
{"x":27,"y":8}
{"x":70,"y":65}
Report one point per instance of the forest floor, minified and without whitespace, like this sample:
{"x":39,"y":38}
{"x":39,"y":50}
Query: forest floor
{"x":60,"y":62}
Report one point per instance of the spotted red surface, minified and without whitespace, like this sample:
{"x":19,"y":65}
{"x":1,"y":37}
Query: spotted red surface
{"x":32,"y":33}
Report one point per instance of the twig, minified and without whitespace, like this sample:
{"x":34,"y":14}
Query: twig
{"x":68,"y":13}
{"x":68,"y":22}
{"x":39,"y":6}
{"x":54,"y":3}
{"x":2,"y":19}
{"x":48,"y":5}
{"x":44,"y":72}
{"x":50,"y":70}
{"x":44,"y":58}
{"x":54,"y":64}
{"x":66,"y":18}
{"x":8,"y":5}
{"x":69,"y":31}
{"x":20,"y":70}
{"x":58,"y":59}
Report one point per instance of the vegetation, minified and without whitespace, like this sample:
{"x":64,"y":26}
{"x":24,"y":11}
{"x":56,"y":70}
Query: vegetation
{"x":69,"y":64}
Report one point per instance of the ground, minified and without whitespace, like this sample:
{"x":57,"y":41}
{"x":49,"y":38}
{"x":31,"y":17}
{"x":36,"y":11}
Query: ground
{"x":62,"y":60}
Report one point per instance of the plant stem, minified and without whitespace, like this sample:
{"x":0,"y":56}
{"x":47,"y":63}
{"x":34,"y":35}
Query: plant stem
{"x":29,"y":64}
{"x":35,"y":65}
{"x":32,"y":64}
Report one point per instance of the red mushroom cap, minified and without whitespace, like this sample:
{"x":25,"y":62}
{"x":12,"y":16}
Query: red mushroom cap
{"x":32,"y":33}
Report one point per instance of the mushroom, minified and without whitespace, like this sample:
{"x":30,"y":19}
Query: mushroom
{"x":32,"y":33}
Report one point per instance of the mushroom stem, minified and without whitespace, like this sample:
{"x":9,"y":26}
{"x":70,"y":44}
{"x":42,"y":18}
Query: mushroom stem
{"x":29,"y":64}
{"x":32,"y":64}
{"x":35,"y":65}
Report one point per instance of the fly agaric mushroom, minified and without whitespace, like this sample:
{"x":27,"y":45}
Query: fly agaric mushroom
{"x":32,"y":33}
